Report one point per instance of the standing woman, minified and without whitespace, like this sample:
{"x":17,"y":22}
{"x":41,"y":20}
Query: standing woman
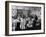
{"x":23,"y":22}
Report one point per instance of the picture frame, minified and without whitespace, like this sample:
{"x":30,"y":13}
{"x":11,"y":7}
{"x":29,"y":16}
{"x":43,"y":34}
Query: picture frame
{"x":13,"y":7}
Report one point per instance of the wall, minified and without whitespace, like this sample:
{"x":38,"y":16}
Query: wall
{"x":2,"y":19}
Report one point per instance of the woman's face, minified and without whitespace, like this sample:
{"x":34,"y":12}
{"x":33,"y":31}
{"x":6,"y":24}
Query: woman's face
{"x":32,"y":19}
{"x":30,"y":24}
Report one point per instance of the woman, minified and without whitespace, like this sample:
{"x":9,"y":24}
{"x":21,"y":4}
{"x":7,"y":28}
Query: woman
{"x":23,"y":22}
{"x":29,"y":23}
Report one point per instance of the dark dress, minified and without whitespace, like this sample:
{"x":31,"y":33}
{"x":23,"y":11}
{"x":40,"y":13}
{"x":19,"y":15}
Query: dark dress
{"x":18,"y":26}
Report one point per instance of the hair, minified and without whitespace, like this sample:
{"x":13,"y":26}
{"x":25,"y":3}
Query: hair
{"x":36,"y":18}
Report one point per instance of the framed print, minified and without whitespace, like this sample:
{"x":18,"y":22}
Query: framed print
{"x":24,"y":18}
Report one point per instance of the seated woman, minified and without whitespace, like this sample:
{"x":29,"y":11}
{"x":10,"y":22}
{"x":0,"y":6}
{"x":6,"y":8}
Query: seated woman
{"x":31,"y":23}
